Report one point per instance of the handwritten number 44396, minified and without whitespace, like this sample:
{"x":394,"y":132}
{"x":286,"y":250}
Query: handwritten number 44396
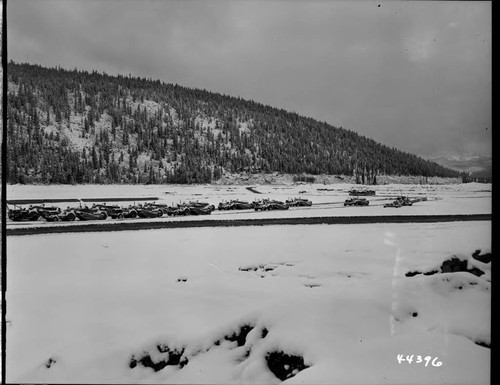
{"x":419,"y":359}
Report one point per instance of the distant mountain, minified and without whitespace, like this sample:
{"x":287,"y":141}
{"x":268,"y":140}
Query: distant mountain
{"x":80,"y":127}
{"x":478,"y":166}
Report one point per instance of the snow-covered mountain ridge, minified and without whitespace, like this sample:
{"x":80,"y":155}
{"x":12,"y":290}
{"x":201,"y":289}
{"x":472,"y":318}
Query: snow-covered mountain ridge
{"x":476,"y":165}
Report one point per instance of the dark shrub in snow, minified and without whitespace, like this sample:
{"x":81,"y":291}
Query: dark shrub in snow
{"x":50,"y":362}
{"x":169,"y":356}
{"x":453,"y":265}
{"x":485,"y":258}
{"x":241,"y":336}
{"x":285,"y":366}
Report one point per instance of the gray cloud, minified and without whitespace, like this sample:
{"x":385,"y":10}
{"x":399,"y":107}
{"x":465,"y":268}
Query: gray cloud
{"x":414,"y":75}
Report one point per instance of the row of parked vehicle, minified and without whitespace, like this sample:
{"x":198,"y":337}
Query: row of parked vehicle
{"x":359,"y":201}
{"x":103,"y":211}
{"x":146,"y":210}
{"x":398,"y":202}
{"x":264,"y":204}
{"x":356,"y":202}
{"x":361,"y":192}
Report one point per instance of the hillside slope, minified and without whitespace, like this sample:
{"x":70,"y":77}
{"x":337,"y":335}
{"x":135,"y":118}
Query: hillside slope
{"x":79,"y":127}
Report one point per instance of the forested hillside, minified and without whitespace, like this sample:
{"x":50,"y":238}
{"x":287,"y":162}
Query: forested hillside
{"x":80,"y":127}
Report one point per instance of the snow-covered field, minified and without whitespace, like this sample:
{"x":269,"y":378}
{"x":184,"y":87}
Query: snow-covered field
{"x":328,"y":200}
{"x":220,"y":305}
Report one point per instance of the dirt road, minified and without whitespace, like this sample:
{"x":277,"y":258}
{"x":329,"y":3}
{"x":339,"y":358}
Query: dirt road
{"x":146,"y":224}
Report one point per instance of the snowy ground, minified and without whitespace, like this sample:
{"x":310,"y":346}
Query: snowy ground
{"x":105,"y":307}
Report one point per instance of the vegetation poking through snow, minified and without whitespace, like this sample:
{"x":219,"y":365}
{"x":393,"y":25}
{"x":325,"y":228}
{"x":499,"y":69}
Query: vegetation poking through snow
{"x":161,"y":355}
{"x":240,"y":336}
{"x":285,"y":366}
{"x":167,"y":356}
{"x":455,"y":264}
{"x":51,"y":361}
{"x":485,"y":258}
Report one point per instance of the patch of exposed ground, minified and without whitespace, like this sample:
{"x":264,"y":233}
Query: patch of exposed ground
{"x":285,"y":366}
{"x":162,"y":354}
{"x":264,"y":269}
{"x":455,"y":264}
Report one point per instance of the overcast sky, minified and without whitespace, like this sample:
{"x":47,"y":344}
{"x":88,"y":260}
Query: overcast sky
{"x":410,"y":74}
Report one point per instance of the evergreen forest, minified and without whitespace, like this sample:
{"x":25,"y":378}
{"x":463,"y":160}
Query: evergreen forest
{"x":75,"y":127}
